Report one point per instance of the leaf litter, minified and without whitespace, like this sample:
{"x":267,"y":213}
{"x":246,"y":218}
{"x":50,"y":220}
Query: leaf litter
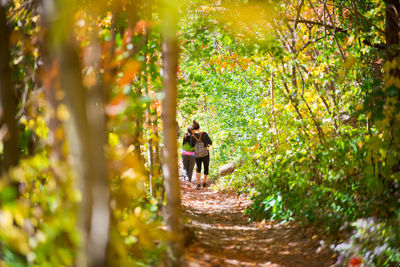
{"x":225,"y":236}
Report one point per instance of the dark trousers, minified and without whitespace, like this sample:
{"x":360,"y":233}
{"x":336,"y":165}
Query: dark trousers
{"x":206,"y":162}
{"x":188,"y":166}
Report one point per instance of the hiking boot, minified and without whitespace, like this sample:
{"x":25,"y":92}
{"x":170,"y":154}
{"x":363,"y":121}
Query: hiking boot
{"x":205,"y":185}
{"x":198,"y":186}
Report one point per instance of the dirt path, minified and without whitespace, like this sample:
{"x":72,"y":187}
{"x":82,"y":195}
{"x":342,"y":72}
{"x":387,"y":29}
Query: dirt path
{"x":225,"y":237}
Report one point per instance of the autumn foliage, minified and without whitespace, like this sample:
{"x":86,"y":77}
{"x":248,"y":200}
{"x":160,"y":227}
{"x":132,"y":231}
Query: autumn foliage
{"x":303,"y":96}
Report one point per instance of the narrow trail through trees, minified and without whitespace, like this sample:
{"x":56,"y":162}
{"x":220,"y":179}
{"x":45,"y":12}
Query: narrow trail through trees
{"x":224,"y":236}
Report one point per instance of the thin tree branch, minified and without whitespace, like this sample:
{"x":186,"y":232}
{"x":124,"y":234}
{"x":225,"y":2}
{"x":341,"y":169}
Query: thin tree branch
{"x":328,"y":26}
{"x":195,"y":31}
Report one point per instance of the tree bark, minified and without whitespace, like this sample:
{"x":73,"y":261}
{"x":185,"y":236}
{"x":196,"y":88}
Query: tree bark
{"x":150,"y":133}
{"x":272,"y":87}
{"x":8,"y":100}
{"x":100,"y":221}
{"x":138,"y":122}
{"x":392,"y":28}
{"x":87,"y":139}
{"x":132,"y":9}
{"x":157,"y":176}
{"x":87,"y":142}
{"x":174,"y":219}
{"x":49,"y":78}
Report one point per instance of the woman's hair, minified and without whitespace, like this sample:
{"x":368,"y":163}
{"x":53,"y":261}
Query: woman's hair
{"x":195,"y":125}
{"x":188,"y":134}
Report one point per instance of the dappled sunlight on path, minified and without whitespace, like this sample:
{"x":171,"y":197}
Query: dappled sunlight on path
{"x":225,"y":237}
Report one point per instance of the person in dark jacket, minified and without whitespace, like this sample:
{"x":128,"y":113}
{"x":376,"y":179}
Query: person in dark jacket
{"x":198,"y":135}
{"x":188,"y":155}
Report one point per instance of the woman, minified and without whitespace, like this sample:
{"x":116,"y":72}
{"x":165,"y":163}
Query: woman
{"x":198,"y":140}
{"x":187,"y":155}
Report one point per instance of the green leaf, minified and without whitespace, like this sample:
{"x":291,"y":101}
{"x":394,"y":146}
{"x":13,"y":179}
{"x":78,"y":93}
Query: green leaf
{"x":392,"y":91}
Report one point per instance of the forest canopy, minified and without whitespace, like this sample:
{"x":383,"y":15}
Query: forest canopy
{"x":301,"y":96}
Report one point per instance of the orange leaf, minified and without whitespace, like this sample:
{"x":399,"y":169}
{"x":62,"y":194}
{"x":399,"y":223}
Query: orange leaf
{"x":140,"y":27}
{"x":117,"y":105}
{"x":130,"y":69}
{"x":127,"y":37}
{"x":15,"y":37}
{"x":89,"y":80}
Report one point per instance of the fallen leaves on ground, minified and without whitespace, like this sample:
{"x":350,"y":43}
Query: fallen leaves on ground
{"x":224,"y":235}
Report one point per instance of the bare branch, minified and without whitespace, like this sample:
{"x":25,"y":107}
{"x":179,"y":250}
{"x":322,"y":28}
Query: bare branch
{"x":328,"y":26}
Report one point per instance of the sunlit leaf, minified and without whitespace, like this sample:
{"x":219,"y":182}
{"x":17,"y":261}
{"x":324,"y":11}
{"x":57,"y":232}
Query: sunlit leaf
{"x":117,"y":105}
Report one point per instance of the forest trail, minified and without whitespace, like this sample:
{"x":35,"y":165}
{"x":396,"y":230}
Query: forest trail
{"x":225,"y":237}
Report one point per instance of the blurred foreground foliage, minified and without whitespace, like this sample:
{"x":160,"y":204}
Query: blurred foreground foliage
{"x":40,"y":198}
{"x":38,"y":214}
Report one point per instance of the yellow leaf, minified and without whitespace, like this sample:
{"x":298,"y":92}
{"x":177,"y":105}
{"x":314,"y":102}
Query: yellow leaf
{"x":389,"y":82}
{"x":350,"y":40}
{"x":19,"y":217}
{"x":359,"y":107}
{"x":17,"y":239}
{"x":393,"y":64}
{"x":59,"y":133}
{"x":342,"y":74}
{"x":62,"y":112}
{"x":397,"y":82}
{"x":130,"y":69}
{"x":113,"y":139}
{"x":349,"y":62}
{"x":386,"y":66}
{"x":6,"y":219}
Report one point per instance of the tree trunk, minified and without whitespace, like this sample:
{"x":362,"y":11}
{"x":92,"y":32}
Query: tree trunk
{"x":272,"y":87}
{"x":392,"y":28}
{"x":87,"y":138}
{"x":49,"y":78}
{"x":132,"y":9}
{"x":87,"y":142}
{"x":138,"y":122}
{"x":150,"y":156}
{"x":150,"y":151}
{"x":8,"y":100}
{"x":174,"y":218}
{"x":100,"y":221}
{"x":157,"y":177}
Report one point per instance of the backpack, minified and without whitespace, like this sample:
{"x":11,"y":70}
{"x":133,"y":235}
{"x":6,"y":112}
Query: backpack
{"x":200,"y":150}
